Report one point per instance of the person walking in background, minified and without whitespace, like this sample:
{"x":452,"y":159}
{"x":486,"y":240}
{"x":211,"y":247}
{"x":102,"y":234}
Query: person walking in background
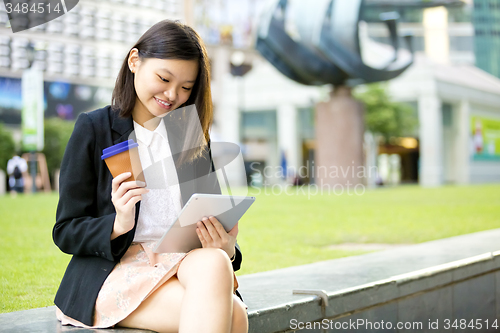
{"x":16,"y":167}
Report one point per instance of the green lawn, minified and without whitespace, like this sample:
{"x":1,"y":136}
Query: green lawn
{"x":278,"y":231}
{"x":31,"y":266}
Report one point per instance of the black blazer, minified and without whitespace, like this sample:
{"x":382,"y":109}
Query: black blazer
{"x":85,"y":213}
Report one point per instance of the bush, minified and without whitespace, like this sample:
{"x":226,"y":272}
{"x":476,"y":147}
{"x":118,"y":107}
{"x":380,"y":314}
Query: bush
{"x":56,"y":135}
{"x":7,"y":147}
{"x":384,"y":116}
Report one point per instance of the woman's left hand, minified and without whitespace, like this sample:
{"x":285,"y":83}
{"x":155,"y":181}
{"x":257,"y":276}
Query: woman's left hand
{"x":212,"y":234}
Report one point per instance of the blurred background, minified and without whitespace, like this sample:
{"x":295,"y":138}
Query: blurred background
{"x":419,"y":135}
{"x":437,"y":123}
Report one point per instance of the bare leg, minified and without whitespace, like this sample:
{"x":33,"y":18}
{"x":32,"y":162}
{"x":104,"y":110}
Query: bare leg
{"x":160,"y":312}
{"x":239,"y":322}
{"x":208,"y":278}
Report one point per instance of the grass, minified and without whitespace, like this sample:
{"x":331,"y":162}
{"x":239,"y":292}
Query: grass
{"x":278,"y":231}
{"x":31,"y":266}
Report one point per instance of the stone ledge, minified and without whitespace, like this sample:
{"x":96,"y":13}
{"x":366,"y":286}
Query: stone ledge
{"x":359,"y":282}
{"x":351,"y":284}
{"x":43,"y":320}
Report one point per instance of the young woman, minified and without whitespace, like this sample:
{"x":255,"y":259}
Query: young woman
{"x":110,"y":225}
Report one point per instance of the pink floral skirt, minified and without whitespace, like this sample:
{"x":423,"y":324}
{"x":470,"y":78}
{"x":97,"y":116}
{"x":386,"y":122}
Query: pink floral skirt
{"x":138,"y":274}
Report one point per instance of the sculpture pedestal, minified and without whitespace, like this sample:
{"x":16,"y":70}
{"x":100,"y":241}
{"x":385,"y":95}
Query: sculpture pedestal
{"x":339,"y":142}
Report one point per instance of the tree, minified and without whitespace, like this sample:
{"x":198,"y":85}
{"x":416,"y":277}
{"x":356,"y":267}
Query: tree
{"x":56,"y":135}
{"x":385,"y":117}
{"x":7,"y":147}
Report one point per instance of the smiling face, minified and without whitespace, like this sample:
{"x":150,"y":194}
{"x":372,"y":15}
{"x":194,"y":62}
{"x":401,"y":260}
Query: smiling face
{"x":161,"y":85}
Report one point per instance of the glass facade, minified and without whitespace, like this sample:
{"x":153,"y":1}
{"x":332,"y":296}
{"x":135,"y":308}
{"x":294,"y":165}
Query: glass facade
{"x":461,"y":38}
{"x":258,"y":125}
{"x":79,"y":53}
{"x":411,"y":11}
{"x":90,"y":41}
{"x":372,"y":13}
{"x":486,"y":20}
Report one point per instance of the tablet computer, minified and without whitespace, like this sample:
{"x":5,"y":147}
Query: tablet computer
{"x":181,"y":237}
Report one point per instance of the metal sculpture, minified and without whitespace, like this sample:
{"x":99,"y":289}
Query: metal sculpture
{"x":327,"y":44}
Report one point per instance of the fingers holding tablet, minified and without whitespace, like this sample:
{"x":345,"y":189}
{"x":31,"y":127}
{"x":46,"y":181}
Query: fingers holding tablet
{"x":221,"y":214}
{"x":212,"y":234}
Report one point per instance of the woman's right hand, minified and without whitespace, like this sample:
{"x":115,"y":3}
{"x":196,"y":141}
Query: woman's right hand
{"x":124,"y":196}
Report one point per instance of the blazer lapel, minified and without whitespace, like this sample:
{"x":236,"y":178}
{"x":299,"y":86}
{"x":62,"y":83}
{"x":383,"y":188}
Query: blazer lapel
{"x":123,"y":128}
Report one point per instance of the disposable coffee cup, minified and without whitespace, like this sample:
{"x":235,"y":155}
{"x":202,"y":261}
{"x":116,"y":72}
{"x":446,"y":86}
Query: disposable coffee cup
{"x":124,"y":157}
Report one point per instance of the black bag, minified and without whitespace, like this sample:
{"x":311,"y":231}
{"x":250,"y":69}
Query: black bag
{"x":17,"y":173}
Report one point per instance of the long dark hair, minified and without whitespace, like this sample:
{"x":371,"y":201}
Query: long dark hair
{"x":169,"y":40}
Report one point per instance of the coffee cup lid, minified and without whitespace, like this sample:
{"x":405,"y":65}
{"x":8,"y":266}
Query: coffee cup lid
{"x":118,"y":148}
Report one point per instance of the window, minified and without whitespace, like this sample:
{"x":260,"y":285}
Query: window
{"x":258,"y":124}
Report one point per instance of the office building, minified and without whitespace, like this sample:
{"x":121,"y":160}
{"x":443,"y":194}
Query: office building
{"x":486,"y":20}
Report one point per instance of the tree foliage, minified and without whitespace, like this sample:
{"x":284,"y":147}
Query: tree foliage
{"x":384,"y":116}
{"x":56,"y":135}
{"x":7,"y":147}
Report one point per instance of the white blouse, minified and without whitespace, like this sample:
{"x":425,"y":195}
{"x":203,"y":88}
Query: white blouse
{"x":161,"y":206}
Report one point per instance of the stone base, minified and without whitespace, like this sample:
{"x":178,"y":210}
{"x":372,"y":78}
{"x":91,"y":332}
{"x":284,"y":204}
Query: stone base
{"x":339,"y":141}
